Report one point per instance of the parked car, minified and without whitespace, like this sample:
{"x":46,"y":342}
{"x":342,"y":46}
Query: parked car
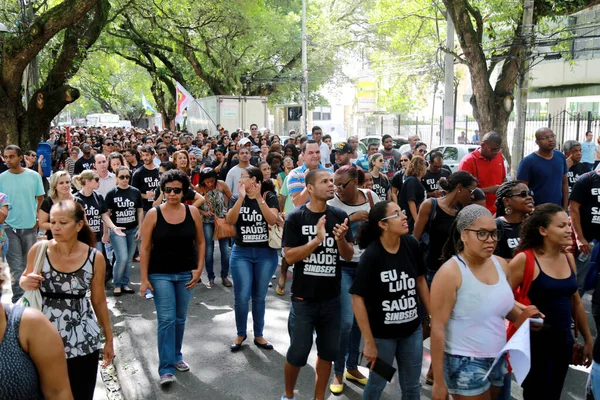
{"x":453,"y":153}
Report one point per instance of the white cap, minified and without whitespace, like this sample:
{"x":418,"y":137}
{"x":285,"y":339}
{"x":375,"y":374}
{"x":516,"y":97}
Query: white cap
{"x":243,"y":141}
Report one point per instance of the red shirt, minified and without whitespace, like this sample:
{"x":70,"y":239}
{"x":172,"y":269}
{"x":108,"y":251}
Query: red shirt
{"x":487,"y":172}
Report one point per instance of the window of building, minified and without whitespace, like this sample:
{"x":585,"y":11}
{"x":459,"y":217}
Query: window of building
{"x":322,"y":114}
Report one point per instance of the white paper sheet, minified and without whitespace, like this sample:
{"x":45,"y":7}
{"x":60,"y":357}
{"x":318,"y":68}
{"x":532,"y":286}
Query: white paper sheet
{"x":518,"y":348}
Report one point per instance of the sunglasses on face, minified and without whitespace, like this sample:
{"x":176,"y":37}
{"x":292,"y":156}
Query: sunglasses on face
{"x":124,"y":177}
{"x":97,"y":179}
{"x":175,"y":190}
{"x":522,"y":194}
{"x":483,"y":235}
{"x":404,"y":160}
{"x":343,"y":186}
{"x":109,"y":144}
{"x":422,"y":151}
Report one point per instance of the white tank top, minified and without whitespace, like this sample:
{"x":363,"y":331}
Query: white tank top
{"x":476,"y":324}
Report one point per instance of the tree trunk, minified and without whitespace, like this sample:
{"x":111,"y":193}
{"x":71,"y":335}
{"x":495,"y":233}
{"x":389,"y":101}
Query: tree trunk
{"x":487,"y":102}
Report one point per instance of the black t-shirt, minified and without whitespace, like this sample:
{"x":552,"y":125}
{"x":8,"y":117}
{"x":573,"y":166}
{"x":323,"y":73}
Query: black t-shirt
{"x":318,"y":276}
{"x":45,"y":207}
{"x":412,"y":189}
{"x":134,"y":169}
{"x":82,"y":164}
{"x":431,"y":179}
{"x":251,"y":227}
{"x":94,"y":207}
{"x":586,"y":192}
{"x":381,"y":186}
{"x":144,"y":180}
{"x":574,"y":173}
{"x":509,"y":241}
{"x":123,"y":204}
{"x":388,"y":284}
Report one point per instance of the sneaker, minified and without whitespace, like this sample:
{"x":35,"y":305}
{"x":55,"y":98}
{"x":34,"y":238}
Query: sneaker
{"x":127,"y":289}
{"x":167,"y":379}
{"x":227,"y":282}
{"x":182,"y":366}
{"x":211,"y":283}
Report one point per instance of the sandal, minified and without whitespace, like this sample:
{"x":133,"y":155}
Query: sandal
{"x":280,"y":290}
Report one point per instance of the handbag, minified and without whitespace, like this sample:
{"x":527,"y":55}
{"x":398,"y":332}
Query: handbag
{"x":223,"y":230}
{"x":275,"y":236}
{"x":33,"y":298}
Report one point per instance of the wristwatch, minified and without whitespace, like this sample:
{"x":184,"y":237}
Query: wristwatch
{"x":262,"y":202}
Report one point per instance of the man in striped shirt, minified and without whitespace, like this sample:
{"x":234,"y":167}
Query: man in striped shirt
{"x":311,"y":154}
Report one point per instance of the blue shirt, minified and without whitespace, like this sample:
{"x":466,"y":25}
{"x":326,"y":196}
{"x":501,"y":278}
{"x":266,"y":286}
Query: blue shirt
{"x":588,"y":152}
{"x":545,"y":177}
{"x":22,"y":190}
{"x":363,"y":162}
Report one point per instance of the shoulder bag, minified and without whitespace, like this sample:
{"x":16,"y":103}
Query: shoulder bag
{"x":521,"y":292}
{"x":222,"y":228}
{"x":33,"y":298}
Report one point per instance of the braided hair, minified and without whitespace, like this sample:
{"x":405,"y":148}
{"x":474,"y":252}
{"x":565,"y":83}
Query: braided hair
{"x":504,"y":191}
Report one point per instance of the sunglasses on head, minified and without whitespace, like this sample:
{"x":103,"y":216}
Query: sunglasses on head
{"x":523,"y":194}
{"x":175,"y":190}
{"x":124,"y":177}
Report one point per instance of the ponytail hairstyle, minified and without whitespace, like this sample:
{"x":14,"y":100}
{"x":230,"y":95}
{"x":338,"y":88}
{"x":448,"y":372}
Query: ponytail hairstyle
{"x":541,"y":217}
{"x":459,"y":177}
{"x":85,"y":176}
{"x":85,"y":235}
{"x":255,"y":173}
{"x":453,"y":245}
{"x":504,"y":191}
{"x":361,"y":177}
{"x":369,"y":231}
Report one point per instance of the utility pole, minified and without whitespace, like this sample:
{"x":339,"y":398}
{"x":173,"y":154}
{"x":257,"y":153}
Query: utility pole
{"x":304,"y":71}
{"x":449,"y":84}
{"x":519,"y":134}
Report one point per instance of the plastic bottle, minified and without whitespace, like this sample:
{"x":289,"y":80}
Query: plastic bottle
{"x":584,"y":257}
{"x":45,"y":150}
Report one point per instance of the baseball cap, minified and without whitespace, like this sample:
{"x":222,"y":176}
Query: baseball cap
{"x":255,"y":149}
{"x":243,"y":141}
{"x":343,"y":148}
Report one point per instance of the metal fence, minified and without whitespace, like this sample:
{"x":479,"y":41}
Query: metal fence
{"x":565,"y":124}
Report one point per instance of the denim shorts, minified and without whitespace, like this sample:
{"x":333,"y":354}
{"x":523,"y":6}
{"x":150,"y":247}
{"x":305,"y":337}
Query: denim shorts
{"x":464,"y":375}
{"x":308,"y":316}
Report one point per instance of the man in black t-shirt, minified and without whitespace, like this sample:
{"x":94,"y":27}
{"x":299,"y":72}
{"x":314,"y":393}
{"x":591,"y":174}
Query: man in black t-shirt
{"x":86,"y":161}
{"x":315,"y":236}
{"x":584,"y":207}
{"x":572,"y":150}
{"x":433,"y":175}
{"x":146,"y":179}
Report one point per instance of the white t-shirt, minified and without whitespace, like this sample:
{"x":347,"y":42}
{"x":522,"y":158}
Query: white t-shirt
{"x":325,"y":154}
{"x":233,"y":178}
{"x":351,"y":209}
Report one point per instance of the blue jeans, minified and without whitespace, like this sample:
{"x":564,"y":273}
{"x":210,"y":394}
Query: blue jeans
{"x":209,"y":229}
{"x":20,"y":242}
{"x":408,"y":352}
{"x":349,"y":331}
{"x":251,"y":269}
{"x":464,"y":374}
{"x":171,"y":299}
{"x":124,"y":247}
{"x":595,"y":379}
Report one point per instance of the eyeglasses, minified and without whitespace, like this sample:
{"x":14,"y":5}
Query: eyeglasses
{"x":343,"y":186}
{"x":548,"y":137}
{"x":175,"y":190}
{"x":472,"y":190}
{"x":162,"y":154}
{"x":404,"y":160}
{"x":522,"y":194}
{"x":397,"y":214}
{"x":167,"y":137}
{"x":483,"y":235}
{"x":124,"y":177}
{"x":109,"y":144}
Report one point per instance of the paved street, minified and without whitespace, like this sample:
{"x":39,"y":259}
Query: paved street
{"x":216,"y":373}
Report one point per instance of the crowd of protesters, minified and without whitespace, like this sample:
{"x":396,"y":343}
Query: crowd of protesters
{"x":386,"y":248}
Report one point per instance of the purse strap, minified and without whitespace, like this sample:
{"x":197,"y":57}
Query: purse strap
{"x":39,"y":257}
{"x":370,"y":197}
{"x":206,"y":197}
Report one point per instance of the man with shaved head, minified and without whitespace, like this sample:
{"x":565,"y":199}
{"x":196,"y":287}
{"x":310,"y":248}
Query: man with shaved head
{"x":487,"y":165}
{"x":545,"y":171}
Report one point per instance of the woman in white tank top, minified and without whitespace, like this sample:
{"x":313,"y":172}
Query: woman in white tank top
{"x":470,"y":298}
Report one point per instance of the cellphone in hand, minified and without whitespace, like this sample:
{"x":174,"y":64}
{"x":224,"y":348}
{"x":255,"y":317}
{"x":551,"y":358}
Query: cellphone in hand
{"x":383,"y":369}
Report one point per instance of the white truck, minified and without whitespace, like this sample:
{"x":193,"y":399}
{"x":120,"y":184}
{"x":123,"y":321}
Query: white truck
{"x":232,"y":112}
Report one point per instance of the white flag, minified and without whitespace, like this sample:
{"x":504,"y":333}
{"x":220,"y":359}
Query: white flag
{"x":184,"y":98}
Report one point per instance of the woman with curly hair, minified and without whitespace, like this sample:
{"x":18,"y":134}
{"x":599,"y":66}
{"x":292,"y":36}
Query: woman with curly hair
{"x":545,"y":235}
